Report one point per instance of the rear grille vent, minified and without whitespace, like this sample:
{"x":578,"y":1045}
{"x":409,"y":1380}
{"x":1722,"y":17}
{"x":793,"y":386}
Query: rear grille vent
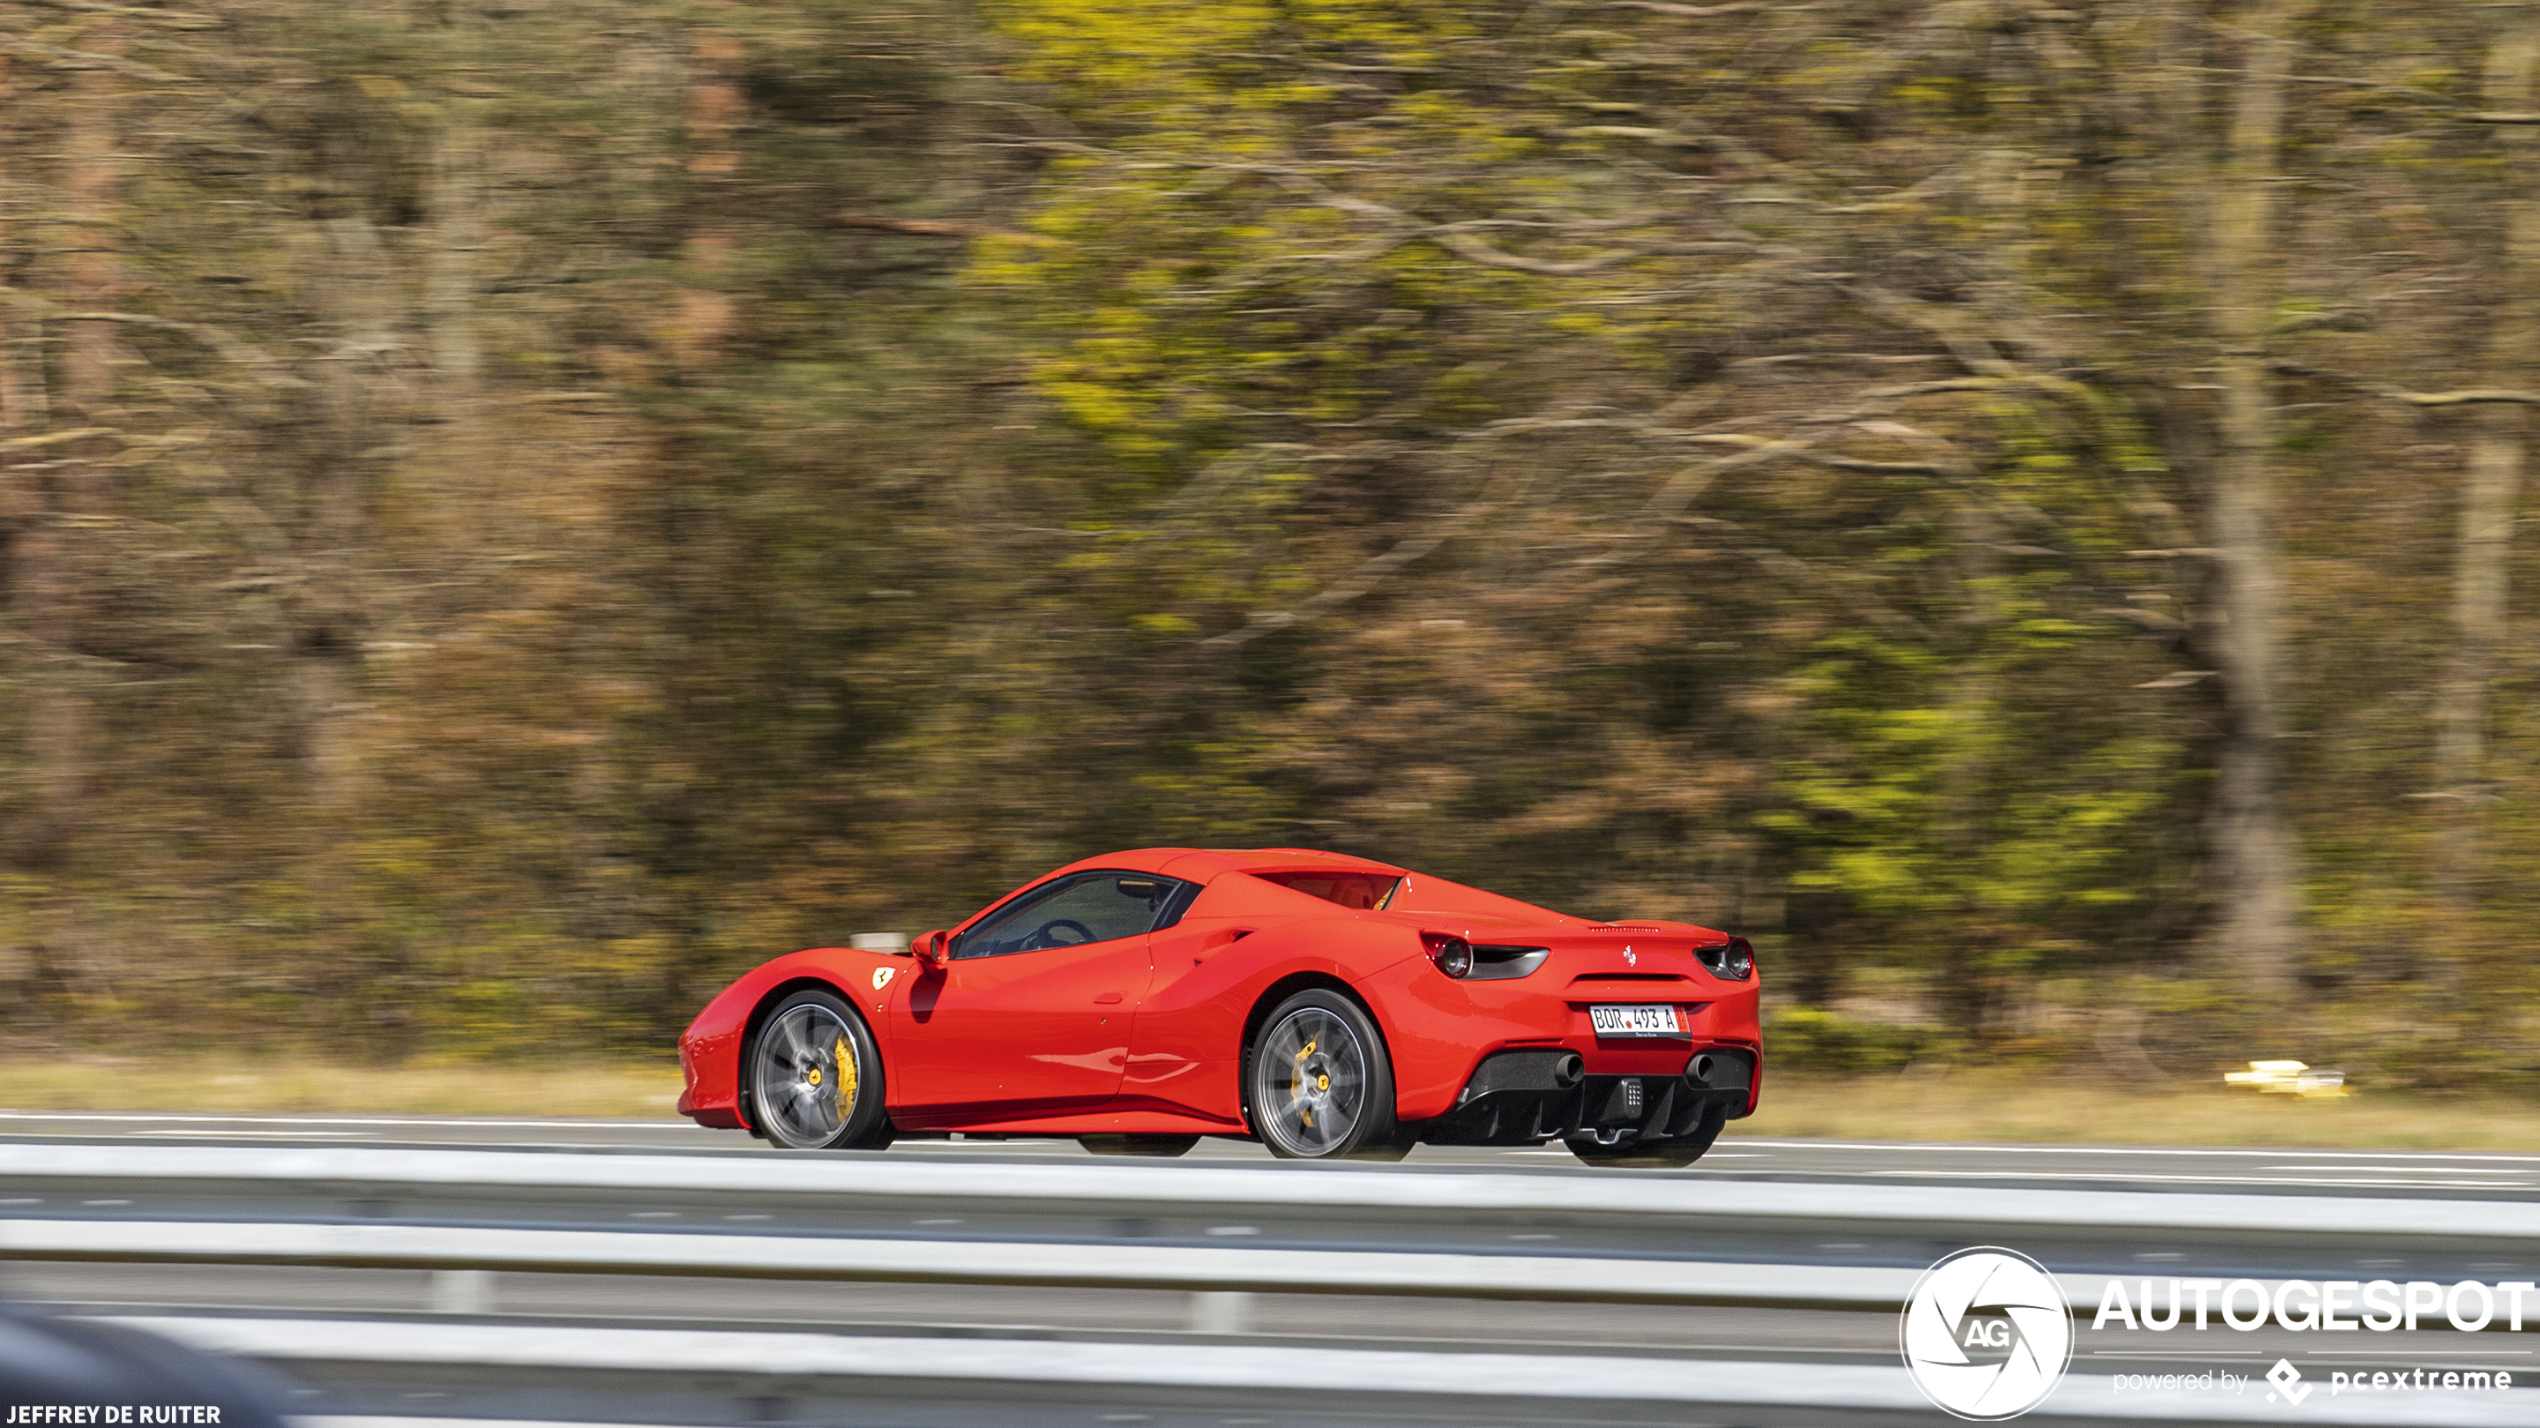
{"x":1502,"y":964}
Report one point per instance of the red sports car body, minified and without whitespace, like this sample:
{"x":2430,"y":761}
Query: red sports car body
{"x":1325,"y":1005}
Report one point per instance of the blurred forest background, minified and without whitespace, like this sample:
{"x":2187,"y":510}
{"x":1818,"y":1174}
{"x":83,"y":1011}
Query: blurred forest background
{"x":516,"y":510}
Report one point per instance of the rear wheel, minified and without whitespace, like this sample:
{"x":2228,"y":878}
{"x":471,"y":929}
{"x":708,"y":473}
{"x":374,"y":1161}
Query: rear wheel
{"x":1681,"y":1151}
{"x":1162,"y":1147}
{"x":816,"y":1077}
{"x":1318,"y":1084}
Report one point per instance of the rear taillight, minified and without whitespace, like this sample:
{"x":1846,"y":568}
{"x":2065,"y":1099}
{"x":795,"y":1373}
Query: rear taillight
{"x":1733,"y":960}
{"x":1453,"y":955}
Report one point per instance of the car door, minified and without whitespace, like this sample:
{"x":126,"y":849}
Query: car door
{"x":1190,"y":1027}
{"x":1032,"y":1011}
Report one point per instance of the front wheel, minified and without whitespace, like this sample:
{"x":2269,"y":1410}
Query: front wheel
{"x":816,"y":1077}
{"x":1672,"y":1154}
{"x":1318,"y":1084}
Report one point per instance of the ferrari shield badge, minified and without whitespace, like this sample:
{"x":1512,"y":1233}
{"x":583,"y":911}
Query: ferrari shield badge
{"x":882,"y":977}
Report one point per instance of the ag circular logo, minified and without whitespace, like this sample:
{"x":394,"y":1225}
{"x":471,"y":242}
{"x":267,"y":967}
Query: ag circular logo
{"x":1987,"y":1334}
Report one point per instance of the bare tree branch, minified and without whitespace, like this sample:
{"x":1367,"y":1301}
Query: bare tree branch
{"x":1358,"y":582}
{"x":55,"y":57}
{"x":1807,"y":451}
{"x":170,"y":19}
{"x":2465,"y":397}
{"x":244,"y":354}
{"x":1693,"y":12}
{"x":1474,"y":250}
{"x":1664,"y":138}
{"x":55,"y":438}
{"x":1795,"y":359}
{"x":930,"y":228}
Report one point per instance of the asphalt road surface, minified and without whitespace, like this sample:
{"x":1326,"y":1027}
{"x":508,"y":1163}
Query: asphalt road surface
{"x":2479,"y":1175}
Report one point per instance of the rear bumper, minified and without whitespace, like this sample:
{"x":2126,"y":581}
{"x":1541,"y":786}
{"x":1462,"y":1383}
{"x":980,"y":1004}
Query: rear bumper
{"x":1519,"y":1098}
{"x":1440,"y":1031}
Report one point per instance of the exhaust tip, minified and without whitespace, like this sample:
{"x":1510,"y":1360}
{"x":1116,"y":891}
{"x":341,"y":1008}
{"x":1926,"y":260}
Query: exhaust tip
{"x":1567,"y":1071}
{"x":1698,"y":1070}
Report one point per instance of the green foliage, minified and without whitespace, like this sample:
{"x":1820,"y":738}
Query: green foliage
{"x":606,"y":493}
{"x":1809,"y":1041}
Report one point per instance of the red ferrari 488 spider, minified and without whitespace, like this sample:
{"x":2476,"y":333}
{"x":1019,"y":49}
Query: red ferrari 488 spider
{"x":1326,"y":1006}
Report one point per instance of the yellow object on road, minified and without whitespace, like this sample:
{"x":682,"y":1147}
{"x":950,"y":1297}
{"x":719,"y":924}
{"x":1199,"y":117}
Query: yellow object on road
{"x":2289,"y":1078}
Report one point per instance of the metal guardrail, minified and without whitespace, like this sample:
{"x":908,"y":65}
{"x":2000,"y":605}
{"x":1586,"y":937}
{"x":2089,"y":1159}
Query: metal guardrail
{"x":935,"y":1261}
{"x":1201,"y":1270}
{"x":1636,"y":1195}
{"x":1755,"y":1391}
{"x":466,"y":1257}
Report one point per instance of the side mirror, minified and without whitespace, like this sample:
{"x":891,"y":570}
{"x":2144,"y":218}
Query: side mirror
{"x":934,"y":948}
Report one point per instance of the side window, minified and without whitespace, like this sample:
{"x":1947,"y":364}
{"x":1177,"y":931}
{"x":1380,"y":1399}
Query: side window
{"x":1358,"y":891}
{"x":1089,"y":907}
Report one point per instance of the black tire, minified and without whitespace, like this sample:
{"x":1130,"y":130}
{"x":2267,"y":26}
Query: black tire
{"x":1161,"y":1147}
{"x":1672,"y":1154}
{"x":1318,"y":1084}
{"x":815,"y":1077}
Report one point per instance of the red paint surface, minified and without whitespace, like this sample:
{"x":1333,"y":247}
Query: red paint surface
{"x":1033,"y":1043}
{"x":1025,"y":1034}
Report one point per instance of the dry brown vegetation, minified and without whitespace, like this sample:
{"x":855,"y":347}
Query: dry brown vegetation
{"x":306,"y":1085}
{"x":1915,"y":1106}
{"x":512,"y":514}
{"x":2015,"y":1108}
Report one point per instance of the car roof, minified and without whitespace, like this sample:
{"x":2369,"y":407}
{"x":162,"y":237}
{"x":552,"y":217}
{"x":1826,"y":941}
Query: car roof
{"x":1203,"y":864}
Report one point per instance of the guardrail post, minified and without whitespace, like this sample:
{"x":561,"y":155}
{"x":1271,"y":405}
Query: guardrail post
{"x":1215,"y":1311}
{"x":462,"y":1291}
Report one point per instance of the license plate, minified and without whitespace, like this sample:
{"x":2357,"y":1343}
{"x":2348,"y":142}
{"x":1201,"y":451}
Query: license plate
{"x":1635,"y":1021}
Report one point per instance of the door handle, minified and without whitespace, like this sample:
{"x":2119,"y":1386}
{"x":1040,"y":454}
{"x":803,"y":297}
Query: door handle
{"x":1107,"y":999}
{"x":1223,"y":937}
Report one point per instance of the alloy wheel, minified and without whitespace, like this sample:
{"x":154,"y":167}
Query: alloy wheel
{"x":1312,"y":1082}
{"x":808,"y":1076}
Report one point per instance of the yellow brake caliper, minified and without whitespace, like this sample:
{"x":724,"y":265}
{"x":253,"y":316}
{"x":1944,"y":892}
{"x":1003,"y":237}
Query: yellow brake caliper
{"x":1296,"y":1088}
{"x":846,"y":1078}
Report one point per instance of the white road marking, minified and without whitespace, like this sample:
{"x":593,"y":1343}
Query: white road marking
{"x":193,"y":1117}
{"x":1918,"y":1147}
{"x":2211,"y":1179}
{"x":337,"y":1420}
{"x":267,"y":1134}
{"x":2383,"y":1169}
